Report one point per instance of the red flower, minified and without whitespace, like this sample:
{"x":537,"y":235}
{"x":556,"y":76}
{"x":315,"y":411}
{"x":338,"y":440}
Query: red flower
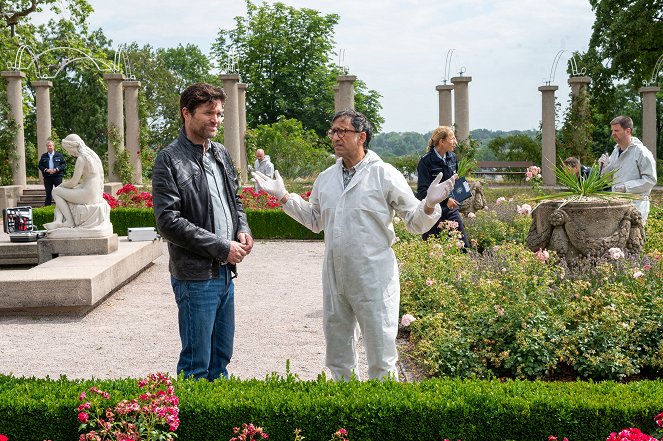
{"x":3,"y":437}
{"x":83,"y":417}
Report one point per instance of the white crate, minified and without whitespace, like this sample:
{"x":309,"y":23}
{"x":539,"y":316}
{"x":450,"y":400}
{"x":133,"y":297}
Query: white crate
{"x":142,"y":234}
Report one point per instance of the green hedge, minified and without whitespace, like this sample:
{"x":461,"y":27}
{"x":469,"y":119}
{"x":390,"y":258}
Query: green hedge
{"x":38,"y":409}
{"x":265,"y":224}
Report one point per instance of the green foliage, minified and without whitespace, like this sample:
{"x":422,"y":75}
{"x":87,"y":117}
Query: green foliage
{"x":405,"y":164}
{"x":512,"y":313}
{"x":624,"y":47}
{"x":8,"y":130}
{"x":498,"y":224}
{"x":275,"y":224}
{"x":593,"y":185}
{"x":466,"y":166}
{"x":294,"y":151}
{"x":654,"y":230}
{"x":285,"y":55}
{"x":519,"y":147}
{"x":38,"y":409}
{"x":575,"y":138}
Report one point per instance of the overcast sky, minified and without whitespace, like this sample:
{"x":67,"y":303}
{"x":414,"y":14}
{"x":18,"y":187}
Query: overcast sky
{"x":399,"y":47}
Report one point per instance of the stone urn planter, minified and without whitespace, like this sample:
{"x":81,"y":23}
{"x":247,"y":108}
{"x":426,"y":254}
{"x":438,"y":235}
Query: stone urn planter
{"x":588,"y":227}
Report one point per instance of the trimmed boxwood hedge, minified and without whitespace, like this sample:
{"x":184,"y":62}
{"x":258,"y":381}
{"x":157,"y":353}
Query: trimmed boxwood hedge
{"x":265,"y":224}
{"x":38,"y":409}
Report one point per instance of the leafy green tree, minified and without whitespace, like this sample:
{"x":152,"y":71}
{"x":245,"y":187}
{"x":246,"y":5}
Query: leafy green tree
{"x":516,"y":148}
{"x":294,"y":151}
{"x":284,"y":54}
{"x":626,"y":42}
{"x":575,"y":137}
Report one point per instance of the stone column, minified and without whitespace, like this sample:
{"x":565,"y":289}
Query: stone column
{"x":15,"y":97}
{"x":115,"y":122}
{"x":241,"y":101}
{"x":444,"y":99}
{"x":462,"y":107}
{"x":231,"y":138}
{"x":579,"y":85}
{"x":132,"y":143}
{"x":548,"y":147}
{"x":337,"y":98}
{"x":346,"y":92}
{"x":43,"y":104}
{"x":649,"y":117}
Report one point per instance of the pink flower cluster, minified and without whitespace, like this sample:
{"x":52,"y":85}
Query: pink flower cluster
{"x":407,"y":319}
{"x":533,"y":172}
{"x":249,"y":432}
{"x":524,"y":209}
{"x":630,"y":435}
{"x":542,"y":255}
{"x":340,"y":435}
{"x":615,"y":253}
{"x":261,"y":200}
{"x":129,"y":196}
{"x":155,"y":411}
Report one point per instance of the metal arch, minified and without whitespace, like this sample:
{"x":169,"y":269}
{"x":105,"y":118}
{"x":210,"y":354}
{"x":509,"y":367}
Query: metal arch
{"x":341,"y":59}
{"x":658,"y":68}
{"x":121,"y":59}
{"x":574,"y":67}
{"x":447,"y":65}
{"x":100,"y":65}
{"x":232,"y":60}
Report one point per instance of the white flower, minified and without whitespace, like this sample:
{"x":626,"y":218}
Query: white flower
{"x":500,"y":200}
{"x":524,"y":209}
{"x":615,"y":253}
{"x":471,"y":215}
{"x":638,"y":274}
{"x":407,"y":319}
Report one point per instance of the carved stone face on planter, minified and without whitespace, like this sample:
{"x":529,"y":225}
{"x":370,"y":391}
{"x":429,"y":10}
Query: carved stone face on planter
{"x":586,"y":228}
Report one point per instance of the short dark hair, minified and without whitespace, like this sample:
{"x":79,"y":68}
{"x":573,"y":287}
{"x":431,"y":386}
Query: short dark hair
{"x":197,"y":94}
{"x":624,"y":121}
{"x":359,"y":122}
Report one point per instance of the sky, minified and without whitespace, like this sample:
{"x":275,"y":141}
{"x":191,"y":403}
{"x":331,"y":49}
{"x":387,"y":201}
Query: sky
{"x":400,"y":47}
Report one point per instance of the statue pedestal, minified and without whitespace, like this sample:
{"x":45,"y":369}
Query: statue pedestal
{"x":51,"y":248}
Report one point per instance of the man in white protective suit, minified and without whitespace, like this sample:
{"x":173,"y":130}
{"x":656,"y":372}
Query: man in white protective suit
{"x":632,"y":163}
{"x":354,"y":201}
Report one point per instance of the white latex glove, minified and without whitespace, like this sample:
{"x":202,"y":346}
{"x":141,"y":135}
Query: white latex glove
{"x":603,"y":160}
{"x":275,"y":186}
{"x":439,"y":191}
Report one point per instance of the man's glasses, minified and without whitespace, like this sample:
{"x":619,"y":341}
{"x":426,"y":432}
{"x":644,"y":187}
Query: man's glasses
{"x":340,"y":132}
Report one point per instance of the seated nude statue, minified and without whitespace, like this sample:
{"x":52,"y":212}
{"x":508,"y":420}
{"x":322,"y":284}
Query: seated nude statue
{"x":79,"y":202}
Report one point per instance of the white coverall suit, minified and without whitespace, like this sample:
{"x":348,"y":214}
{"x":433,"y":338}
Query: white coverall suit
{"x":635,"y":168}
{"x":360,"y":275}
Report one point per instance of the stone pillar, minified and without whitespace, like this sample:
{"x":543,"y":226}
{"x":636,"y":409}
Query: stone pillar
{"x":115,"y":122}
{"x":346,"y":92}
{"x":15,"y":97}
{"x":43,"y":104}
{"x":444,"y":99}
{"x":241,"y":101}
{"x":462,"y":107}
{"x":548,"y":147}
{"x":649,"y":117}
{"x":132,"y":142}
{"x":337,"y":98}
{"x":231,"y":137}
{"x":579,"y":85}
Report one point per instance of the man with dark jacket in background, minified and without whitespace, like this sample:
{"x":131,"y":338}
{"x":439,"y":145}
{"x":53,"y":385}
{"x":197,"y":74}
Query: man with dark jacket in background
{"x":52,"y":165}
{"x":199,"y":212}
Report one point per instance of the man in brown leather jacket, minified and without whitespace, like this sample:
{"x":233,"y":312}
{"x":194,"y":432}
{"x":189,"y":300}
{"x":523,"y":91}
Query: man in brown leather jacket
{"x":199,"y":212}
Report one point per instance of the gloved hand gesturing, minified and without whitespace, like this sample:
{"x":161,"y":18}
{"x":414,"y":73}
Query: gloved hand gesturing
{"x":603,"y":160}
{"x":275,"y":186}
{"x":439,"y":191}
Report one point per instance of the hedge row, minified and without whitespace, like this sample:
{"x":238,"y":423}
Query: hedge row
{"x":265,"y":224}
{"x":38,"y":409}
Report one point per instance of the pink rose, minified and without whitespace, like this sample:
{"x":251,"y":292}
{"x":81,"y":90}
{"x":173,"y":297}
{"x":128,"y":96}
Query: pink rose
{"x":407,"y":319}
{"x":638,"y":274}
{"x":83,"y":417}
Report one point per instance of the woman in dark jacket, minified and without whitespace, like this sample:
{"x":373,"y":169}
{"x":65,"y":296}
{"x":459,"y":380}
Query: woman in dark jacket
{"x":440,"y":159}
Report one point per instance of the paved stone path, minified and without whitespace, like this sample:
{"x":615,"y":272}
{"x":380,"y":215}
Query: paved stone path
{"x":133,"y":332}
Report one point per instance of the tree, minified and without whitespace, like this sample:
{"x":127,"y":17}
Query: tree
{"x":284,"y":54}
{"x":626,"y":42}
{"x":516,"y":148}
{"x":15,"y":11}
{"x":575,"y":138}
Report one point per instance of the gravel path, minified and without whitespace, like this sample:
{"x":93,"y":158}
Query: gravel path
{"x":133,"y":332}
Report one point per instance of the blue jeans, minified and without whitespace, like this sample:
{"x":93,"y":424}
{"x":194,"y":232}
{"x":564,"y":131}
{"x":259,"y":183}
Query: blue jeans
{"x":206,"y":316}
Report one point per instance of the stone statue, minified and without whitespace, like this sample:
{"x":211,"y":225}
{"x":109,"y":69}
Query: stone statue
{"x":476,"y":202}
{"x":80,"y":209}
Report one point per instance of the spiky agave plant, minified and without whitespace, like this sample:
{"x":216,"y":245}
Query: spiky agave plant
{"x":581,"y":187}
{"x":466,"y":166}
